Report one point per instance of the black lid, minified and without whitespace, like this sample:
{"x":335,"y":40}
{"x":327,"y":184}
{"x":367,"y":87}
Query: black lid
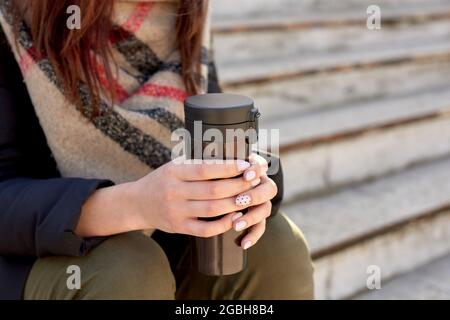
{"x":219,"y":108}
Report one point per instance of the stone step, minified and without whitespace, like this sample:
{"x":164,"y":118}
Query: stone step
{"x":235,"y":15}
{"x":394,"y":251}
{"x":242,"y":47}
{"x":429,"y":282}
{"x":337,"y":163}
{"x":313,"y":47}
{"x":397,"y":223}
{"x":321,"y":126}
{"x":324,"y":91}
{"x":372,"y":205}
{"x":340,"y":146}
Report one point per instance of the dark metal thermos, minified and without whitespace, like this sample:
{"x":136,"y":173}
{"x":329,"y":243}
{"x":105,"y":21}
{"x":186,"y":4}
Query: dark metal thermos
{"x":222,"y":254}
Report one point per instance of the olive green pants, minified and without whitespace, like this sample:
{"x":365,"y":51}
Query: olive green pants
{"x":135,"y":266}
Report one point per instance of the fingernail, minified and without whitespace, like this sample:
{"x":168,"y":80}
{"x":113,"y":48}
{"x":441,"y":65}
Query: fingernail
{"x":242,"y":165}
{"x":247,"y":245}
{"x":236,"y":216}
{"x":254,"y":183}
{"x":243,"y":200}
{"x":240,"y":225}
{"x":250,"y":175}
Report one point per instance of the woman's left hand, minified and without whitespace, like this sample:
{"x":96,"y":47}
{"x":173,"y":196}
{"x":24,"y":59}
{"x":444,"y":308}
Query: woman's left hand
{"x":257,"y":200}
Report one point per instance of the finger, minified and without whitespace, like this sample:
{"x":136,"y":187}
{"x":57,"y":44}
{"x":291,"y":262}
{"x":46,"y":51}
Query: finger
{"x":255,"y":233}
{"x":216,"y":189}
{"x":259,"y":167}
{"x":206,"y":229}
{"x":196,"y":170}
{"x":264,"y":192}
{"x":254,"y":216}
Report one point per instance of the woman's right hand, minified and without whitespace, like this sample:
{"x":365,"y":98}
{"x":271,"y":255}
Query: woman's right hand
{"x":174,"y":196}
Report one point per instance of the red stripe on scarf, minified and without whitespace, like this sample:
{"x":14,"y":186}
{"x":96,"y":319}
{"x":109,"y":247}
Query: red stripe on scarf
{"x":27,"y":60}
{"x":149,"y":89}
{"x":120,"y":93}
{"x":135,"y":20}
{"x":25,"y":63}
{"x":155,"y":90}
{"x":132,"y":24}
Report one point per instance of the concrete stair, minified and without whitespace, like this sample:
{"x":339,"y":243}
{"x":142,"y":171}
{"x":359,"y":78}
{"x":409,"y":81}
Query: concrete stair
{"x":396,"y":223}
{"x":431,"y":281}
{"x":233,"y":15}
{"x":364,"y":119}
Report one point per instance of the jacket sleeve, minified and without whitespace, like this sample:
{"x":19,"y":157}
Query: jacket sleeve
{"x":38,"y":209}
{"x":38,"y":217}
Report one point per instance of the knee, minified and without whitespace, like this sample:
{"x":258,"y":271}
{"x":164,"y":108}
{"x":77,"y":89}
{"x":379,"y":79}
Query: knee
{"x":129,"y":266}
{"x":284,"y":261}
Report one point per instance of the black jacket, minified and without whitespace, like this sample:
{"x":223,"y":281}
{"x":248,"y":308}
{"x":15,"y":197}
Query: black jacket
{"x":38,"y":208}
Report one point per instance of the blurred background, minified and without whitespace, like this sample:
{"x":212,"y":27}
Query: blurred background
{"x":365,"y":132}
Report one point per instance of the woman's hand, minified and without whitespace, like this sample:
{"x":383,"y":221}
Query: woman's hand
{"x":259,"y":198}
{"x":173,"y":197}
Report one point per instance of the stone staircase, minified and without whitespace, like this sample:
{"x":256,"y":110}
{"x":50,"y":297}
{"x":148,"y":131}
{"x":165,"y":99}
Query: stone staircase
{"x":364,"y":119}
{"x":428,"y":282}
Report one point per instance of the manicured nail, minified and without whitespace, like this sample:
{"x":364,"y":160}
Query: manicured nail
{"x":243,"y":200}
{"x":240,"y":225}
{"x":242,"y":165}
{"x":250,"y":175}
{"x":247,"y":245}
{"x":236,"y":216}
{"x":254,"y":183}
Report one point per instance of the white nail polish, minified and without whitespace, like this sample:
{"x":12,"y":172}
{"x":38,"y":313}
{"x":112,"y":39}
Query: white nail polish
{"x":250,"y":175}
{"x":240,"y":225}
{"x":254,"y":183}
{"x":242,"y":165}
{"x":236,"y":216}
{"x":243,"y":200}
{"x":247,"y":245}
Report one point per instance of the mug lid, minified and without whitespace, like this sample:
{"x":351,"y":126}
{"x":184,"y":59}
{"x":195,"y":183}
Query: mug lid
{"x":219,"y":108}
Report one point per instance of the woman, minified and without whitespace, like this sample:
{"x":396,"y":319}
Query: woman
{"x":85,"y":161}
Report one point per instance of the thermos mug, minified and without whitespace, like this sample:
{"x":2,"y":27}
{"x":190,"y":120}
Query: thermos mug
{"x":224,"y":113}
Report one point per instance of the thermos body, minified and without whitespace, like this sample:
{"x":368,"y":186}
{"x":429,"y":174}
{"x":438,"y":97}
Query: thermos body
{"x":221,"y":254}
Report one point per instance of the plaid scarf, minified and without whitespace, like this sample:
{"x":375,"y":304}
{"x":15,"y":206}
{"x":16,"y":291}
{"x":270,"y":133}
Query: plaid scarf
{"x":132,"y":137}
